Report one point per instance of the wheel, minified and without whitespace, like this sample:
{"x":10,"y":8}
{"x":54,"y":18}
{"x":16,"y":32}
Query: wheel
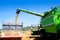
{"x":42,"y":34}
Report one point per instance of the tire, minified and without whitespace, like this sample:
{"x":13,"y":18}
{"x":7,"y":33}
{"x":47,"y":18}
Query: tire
{"x":42,"y":34}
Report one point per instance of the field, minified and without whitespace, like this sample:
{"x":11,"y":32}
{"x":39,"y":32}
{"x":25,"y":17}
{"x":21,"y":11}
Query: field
{"x":26,"y":35}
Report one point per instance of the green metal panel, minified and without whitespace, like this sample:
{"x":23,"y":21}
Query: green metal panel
{"x":46,"y":21}
{"x":57,"y":16}
{"x":51,"y":29}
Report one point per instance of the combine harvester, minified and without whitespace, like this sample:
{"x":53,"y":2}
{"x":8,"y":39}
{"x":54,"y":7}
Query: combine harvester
{"x":49,"y":24}
{"x":11,"y":31}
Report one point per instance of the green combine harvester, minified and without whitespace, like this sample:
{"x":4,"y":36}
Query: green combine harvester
{"x":49,"y":24}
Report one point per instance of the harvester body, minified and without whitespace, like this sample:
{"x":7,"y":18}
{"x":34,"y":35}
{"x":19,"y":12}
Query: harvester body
{"x":51,"y":20}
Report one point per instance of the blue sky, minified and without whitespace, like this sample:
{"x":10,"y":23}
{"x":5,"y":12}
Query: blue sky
{"x":8,"y":10}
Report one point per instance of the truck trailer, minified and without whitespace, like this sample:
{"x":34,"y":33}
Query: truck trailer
{"x":11,"y":31}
